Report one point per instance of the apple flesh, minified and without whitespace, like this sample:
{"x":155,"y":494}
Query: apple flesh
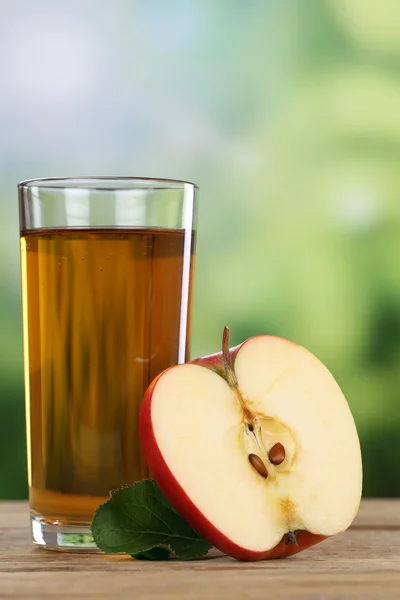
{"x":255,"y":447}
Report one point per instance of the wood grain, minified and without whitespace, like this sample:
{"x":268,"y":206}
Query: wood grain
{"x":363,"y":563}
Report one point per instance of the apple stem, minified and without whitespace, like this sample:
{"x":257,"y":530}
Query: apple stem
{"x":231,"y":375}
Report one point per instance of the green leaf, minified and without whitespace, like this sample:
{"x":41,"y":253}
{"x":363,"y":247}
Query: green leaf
{"x":138,"y":518}
{"x":158,"y":553}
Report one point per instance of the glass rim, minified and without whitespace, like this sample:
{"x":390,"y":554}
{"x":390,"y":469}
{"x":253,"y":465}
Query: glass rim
{"x":89,"y":183}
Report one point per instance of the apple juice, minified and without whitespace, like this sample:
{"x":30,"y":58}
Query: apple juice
{"x":104,"y":312}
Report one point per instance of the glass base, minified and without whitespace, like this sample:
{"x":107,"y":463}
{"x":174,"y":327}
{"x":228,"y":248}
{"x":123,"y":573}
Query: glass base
{"x":57,"y":536}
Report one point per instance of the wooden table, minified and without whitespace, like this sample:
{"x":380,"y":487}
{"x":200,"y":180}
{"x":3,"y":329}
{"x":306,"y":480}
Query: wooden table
{"x":362,"y":563}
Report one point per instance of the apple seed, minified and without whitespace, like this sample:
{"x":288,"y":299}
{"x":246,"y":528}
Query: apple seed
{"x":258,"y":464}
{"x":277,"y":454}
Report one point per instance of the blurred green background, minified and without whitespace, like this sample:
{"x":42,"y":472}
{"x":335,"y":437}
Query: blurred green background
{"x":286,"y":114}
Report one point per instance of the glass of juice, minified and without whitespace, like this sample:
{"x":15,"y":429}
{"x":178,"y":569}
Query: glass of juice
{"x":107,"y":270}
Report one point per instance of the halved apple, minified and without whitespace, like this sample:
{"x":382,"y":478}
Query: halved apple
{"x":255,"y":447}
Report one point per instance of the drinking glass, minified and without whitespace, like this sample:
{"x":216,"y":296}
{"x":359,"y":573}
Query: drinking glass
{"x":107,"y":267}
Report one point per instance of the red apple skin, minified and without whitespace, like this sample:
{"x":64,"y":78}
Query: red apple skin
{"x":175,"y":494}
{"x":215,"y":362}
